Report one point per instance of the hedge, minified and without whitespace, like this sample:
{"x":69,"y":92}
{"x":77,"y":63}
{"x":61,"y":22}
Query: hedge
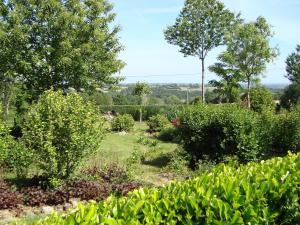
{"x":149,"y":110}
{"x":257,"y":193}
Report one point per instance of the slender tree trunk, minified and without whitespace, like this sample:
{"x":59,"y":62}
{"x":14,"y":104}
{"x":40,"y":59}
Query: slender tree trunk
{"x":203,"y":88}
{"x":248,"y":94}
{"x":141,"y":114}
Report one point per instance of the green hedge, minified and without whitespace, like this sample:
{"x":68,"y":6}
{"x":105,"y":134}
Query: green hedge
{"x":150,"y":110}
{"x":222,"y":130}
{"x":258,"y":193}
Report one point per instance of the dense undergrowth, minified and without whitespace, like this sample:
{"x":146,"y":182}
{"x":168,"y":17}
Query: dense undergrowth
{"x":257,"y":193}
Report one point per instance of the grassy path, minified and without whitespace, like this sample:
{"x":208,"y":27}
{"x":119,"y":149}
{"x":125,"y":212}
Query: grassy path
{"x":119,"y":147}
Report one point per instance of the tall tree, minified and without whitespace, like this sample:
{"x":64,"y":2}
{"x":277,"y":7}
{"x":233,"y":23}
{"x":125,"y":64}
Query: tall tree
{"x":248,"y":50}
{"x":59,"y":44}
{"x":228,"y":87}
{"x":293,"y":66}
{"x":141,"y":90}
{"x":199,"y":28}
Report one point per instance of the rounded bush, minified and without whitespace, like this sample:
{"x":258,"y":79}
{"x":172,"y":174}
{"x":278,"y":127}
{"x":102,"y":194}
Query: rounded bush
{"x":122,"y":123}
{"x":157,"y":123}
{"x":261,"y":99}
{"x":218,"y":131}
{"x":62,"y":130}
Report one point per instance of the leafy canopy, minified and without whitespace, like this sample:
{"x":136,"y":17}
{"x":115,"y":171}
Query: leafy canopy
{"x":59,"y":44}
{"x":293,"y":66}
{"x":200,"y":27}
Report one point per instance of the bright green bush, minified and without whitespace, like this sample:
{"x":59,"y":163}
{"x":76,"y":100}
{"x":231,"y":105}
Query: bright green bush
{"x":61,"y":130}
{"x":5,"y":141}
{"x":257,"y":193}
{"x":122,"y":123}
{"x":261,"y":99}
{"x":157,"y":123}
{"x":218,"y":131}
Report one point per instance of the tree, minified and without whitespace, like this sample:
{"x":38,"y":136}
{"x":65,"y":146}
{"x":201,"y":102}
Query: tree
{"x":199,"y":28}
{"x":293,"y":66}
{"x":141,"y":90}
{"x":290,"y":96}
{"x":59,"y":44}
{"x":228,"y":87}
{"x":173,"y":100}
{"x":248,"y":50}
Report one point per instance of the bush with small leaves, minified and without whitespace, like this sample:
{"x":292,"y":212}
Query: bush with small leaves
{"x":61,"y":130}
{"x":157,"y":123}
{"x":122,"y":123}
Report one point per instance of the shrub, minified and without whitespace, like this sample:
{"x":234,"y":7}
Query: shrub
{"x":157,"y":123}
{"x":122,"y":123}
{"x":257,"y":193}
{"x":286,"y":132}
{"x":13,"y":154}
{"x":169,"y":134}
{"x":261,"y":99}
{"x":61,"y":130}
{"x":217,"y":131}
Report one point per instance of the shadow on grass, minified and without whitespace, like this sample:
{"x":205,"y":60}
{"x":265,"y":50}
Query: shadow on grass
{"x":160,"y":161}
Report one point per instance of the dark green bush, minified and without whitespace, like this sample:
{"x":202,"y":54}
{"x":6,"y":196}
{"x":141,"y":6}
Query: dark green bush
{"x":168,"y":134}
{"x":218,"y":131}
{"x":122,"y":123}
{"x":286,"y":132}
{"x":14,"y":156}
{"x":61,"y":130}
{"x":157,"y":123}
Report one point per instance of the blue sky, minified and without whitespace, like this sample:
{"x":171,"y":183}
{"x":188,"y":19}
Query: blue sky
{"x":147,"y":53}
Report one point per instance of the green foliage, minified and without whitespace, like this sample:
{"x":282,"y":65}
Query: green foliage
{"x":290,"y":96}
{"x":257,"y":193}
{"x":248,"y":50}
{"x":122,"y":123}
{"x":228,"y":88}
{"x":157,"y":123}
{"x":286,"y":132}
{"x":147,"y":111}
{"x":173,"y":100}
{"x":169,"y":133}
{"x":261,"y":99}
{"x":217,"y":131}
{"x":59,"y":44}
{"x":196,"y":101}
{"x":141,"y":90}
{"x":199,"y":28}
{"x":13,"y":154}
{"x":293,"y":66}
{"x":61,"y":130}
{"x":98,"y":98}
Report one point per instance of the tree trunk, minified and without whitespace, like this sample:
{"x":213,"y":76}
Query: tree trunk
{"x":248,"y":94}
{"x":203,"y":88}
{"x":141,"y":114}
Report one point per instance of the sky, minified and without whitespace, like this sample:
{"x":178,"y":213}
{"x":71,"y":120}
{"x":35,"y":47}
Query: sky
{"x":149,"y":58}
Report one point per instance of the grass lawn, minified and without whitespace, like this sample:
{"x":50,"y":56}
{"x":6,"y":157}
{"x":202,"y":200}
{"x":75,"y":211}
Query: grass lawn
{"x":119,"y":147}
